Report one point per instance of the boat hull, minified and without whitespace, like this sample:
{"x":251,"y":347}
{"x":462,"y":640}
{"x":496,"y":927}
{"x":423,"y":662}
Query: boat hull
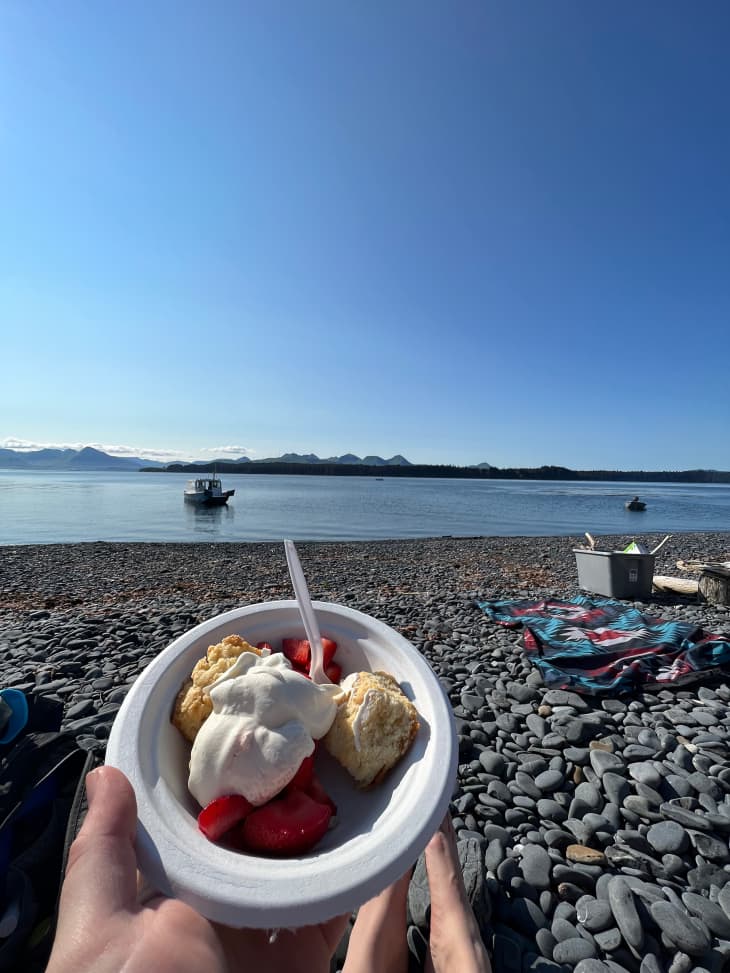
{"x":200,"y":500}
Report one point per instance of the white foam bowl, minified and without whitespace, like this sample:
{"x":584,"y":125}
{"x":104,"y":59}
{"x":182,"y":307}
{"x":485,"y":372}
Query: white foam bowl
{"x":379,"y":833}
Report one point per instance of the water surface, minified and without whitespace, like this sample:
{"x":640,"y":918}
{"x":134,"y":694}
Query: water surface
{"x":51,"y":507}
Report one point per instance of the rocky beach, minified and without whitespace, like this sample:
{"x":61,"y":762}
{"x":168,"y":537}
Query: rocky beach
{"x":594,"y":832}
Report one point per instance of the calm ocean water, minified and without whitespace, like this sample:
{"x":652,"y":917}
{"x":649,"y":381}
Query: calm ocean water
{"x":42,"y":508}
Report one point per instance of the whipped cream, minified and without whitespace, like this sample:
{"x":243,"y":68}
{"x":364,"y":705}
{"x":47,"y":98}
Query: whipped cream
{"x":265,"y":720}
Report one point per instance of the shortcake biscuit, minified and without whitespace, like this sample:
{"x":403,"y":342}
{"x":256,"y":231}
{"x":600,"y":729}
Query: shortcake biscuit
{"x":193,"y":704}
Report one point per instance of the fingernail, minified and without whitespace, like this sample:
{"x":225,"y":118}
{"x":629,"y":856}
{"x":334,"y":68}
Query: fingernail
{"x":92,"y":783}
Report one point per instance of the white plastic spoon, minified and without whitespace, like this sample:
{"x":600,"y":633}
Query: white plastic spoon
{"x":316,"y":669}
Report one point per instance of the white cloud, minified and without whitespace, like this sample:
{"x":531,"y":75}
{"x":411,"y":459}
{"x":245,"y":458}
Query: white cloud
{"x":228,"y":450}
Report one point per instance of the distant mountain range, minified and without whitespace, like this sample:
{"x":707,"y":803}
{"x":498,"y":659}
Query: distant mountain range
{"x":91,"y":459}
{"x":87,"y":458}
{"x":349,"y":459}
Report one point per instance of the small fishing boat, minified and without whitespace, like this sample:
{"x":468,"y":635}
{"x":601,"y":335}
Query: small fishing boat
{"x":207,"y":491}
{"x":635,"y":504}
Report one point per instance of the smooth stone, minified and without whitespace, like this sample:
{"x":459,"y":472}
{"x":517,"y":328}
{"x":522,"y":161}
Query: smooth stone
{"x":572,"y":951}
{"x":683,"y":816}
{"x":705,"y":875}
{"x":494,"y":855}
{"x":83,"y":708}
{"x":650,"y":964}
{"x":565,"y":910}
{"x":583,"y":833}
{"x":561,"y":697}
{"x":673,"y":864}
{"x":545,"y":942}
{"x":557,"y":839}
{"x":609,"y":939}
{"x":550,"y":810}
{"x":576,"y":755}
{"x":537,"y":725}
{"x":635,"y":751}
{"x":419,"y":896}
{"x":616,"y":787}
{"x":584,"y":855}
{"x":710,"y":912}
{"x":645,"y":773}
{"x":535,"y":866}
{"x":527,"y":916}
{"x":591,"y":966}
{"x":723,"y":899}
{"x":689,"y":934}
{"x":472,"y":870}
{"x":603,"y":762}
{"x":527,"y":785}
{"x":588,"y":795}
{"x":681,"y":963}
{"x":594,"y":914}
{"x":549,"y":780}
{"x":563,"y":929}
{"x":623,"y":907}
{"x":709,"y":847}
{"x":667,"y":837}
{"x":493,"y":763}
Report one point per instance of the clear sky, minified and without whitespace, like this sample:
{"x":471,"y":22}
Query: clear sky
{"x":461,"y":231}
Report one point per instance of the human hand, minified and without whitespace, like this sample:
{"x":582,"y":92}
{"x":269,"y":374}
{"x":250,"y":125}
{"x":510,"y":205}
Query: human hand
{"x":102,"y":928}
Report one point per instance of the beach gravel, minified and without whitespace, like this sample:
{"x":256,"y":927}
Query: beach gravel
{"x":595,"y":832}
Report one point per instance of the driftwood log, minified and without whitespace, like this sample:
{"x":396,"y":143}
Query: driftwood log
{"x":678,"y":586}
{"x":714,"y":587}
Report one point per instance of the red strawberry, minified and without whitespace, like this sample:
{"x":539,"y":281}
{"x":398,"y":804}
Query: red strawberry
{"x":328,"y":650}
{"x":319,"y":794}
{"x":222,"y":814}
{"x":287,"y":826}
{"x":297,"y":652}
{"x":264,"y":645}
{"x":300,"y":780}
{"x":333,"y":672}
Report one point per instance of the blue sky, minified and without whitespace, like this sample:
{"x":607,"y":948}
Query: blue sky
{"x":457,"y":231}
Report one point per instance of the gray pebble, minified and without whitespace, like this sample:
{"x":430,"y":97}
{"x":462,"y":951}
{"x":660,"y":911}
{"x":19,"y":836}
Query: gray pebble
{"x":688,"y":933}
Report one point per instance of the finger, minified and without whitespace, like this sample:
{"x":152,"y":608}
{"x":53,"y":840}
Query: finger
{"x":102,"y":867}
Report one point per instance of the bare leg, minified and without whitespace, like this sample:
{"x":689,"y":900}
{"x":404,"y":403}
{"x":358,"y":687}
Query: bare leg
{"x":378,"y":938}
{"x":455,"y":942}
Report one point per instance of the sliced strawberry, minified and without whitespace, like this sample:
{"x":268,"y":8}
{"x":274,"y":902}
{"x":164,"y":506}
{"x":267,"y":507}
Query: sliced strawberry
{"x":288,"y":826}
{"x":301,"y":779}
{"x":222,"y":814}
{"x":319,"y":794}
{"x":328,"y":650}
{"x":264,"y":645}
{"x":296,"y":651}
{"x":333,"y":672}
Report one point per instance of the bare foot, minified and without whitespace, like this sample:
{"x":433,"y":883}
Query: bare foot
{"x":454,"y":942}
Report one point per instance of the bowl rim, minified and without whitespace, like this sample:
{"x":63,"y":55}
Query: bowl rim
{"x":280,"y":892}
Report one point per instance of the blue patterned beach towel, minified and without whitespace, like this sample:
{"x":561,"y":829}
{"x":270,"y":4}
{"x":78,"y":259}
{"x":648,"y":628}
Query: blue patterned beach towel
{"x":603,"y":646}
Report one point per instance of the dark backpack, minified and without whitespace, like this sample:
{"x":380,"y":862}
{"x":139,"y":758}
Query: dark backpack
{"x":42,"y":804}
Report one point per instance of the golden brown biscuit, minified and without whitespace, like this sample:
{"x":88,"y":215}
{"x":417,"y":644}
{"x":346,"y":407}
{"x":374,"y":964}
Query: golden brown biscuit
{"x":374,"y":727}
{"x":193,"y":704}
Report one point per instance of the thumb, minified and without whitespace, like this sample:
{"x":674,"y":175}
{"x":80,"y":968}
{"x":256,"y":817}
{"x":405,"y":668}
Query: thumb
{"x":101,"y":875}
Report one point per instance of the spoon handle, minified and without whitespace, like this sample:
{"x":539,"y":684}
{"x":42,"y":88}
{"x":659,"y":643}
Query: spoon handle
{"x":316,"y":670}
